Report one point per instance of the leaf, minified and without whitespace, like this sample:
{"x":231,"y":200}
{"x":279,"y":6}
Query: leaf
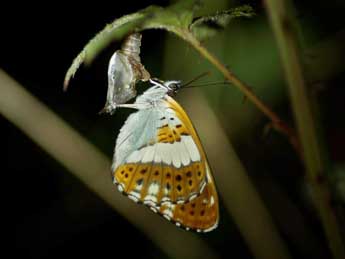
{"x":185,"y":10}
{"x":117,"y":30}
{"x":206,"y":26}
{"x":172,"y":18}
{"x":176,"y":18}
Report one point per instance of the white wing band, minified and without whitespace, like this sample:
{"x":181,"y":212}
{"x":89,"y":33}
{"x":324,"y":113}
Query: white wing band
{"x":177,"y":154}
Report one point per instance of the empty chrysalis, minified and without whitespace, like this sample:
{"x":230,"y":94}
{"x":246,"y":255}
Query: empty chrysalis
{"x":124,"y":70}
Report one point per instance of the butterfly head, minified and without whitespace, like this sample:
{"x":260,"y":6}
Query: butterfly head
{"x":172,"y":86}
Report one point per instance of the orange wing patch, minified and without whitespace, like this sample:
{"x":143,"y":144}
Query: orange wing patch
{"x":166,"y":134}
{"x":124,"y":176}
{"x":200,"y":215}
{"x":160,"y":184}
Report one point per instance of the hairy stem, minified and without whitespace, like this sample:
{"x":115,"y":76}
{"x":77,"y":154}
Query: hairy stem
{"x":277,"y":123}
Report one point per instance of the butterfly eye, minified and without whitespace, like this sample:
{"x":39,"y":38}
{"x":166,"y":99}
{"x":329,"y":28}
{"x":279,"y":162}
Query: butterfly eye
{"x":173,"y":86}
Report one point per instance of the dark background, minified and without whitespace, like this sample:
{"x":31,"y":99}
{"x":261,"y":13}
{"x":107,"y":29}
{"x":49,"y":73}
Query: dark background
{"x":52,"y":214}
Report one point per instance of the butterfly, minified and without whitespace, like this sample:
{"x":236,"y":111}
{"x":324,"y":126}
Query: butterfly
{"x":159,"y":161}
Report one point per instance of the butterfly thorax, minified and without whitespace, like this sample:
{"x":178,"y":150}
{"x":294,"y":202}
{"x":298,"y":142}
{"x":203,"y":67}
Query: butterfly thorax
{"x":172,"y":86}
{"x":155,"y":95}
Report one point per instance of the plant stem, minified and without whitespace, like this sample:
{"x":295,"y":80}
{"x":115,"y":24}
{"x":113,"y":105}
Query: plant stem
{"x":277,"y":123}
{"x":283,"y":26}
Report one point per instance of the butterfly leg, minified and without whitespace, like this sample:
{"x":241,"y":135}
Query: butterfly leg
{"x":129,"y":105}
{"x":137,"y":106}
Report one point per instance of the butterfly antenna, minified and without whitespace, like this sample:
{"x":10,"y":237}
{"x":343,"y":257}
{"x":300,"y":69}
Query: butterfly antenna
{"x":208,"y":84}
{"x":196,"y":78}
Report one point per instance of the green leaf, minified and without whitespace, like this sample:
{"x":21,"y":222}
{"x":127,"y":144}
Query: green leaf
{"x":185,"y":10}
{"x":172,"y":18}
{"x":176,"y":18}
{"x":117,"y":30}
{"x":206,"y":26}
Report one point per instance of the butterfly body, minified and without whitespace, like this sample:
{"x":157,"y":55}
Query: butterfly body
{"x":159,"y":161}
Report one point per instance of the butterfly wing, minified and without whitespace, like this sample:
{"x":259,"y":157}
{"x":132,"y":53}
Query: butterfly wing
{"x":159,"y":161}
{"x":202,"y":213}
{"x":156,"y":159}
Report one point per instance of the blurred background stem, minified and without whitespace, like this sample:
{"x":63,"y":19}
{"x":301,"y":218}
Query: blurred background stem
{"x":237,"y":191}
{"x":284,"y":29}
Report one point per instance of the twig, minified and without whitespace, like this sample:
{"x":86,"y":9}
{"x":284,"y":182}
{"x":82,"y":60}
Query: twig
{"x":277,"y":123}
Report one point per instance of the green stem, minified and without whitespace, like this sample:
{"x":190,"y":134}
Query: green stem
{"x":285,"y":33}
{"x":277,"y":123}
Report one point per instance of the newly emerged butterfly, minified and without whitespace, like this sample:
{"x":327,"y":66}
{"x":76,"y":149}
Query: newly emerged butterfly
{"x":159,"y":161}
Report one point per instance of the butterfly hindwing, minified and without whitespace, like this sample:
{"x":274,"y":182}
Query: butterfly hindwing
{"x":200,"y":214}
{"x":171,"y":159}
